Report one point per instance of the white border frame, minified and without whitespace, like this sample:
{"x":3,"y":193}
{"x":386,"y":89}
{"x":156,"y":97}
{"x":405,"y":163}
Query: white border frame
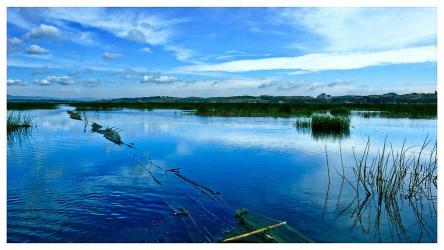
{"x":208,"y":3}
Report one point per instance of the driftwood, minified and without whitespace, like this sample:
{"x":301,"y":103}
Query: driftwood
{"x":261,"y":230}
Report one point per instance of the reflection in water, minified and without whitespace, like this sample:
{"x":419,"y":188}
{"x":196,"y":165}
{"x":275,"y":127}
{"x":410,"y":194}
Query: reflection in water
{"x":19,"y":135}
{"x":406,"y":177}
{"x":325,"y":135}
{"x":70,"y":185}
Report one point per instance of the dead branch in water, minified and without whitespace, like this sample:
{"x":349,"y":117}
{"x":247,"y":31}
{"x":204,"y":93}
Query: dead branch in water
{"x":193,"y":183}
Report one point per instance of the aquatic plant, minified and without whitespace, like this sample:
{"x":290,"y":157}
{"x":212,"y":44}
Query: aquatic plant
{"x":388,"y":178}
{"x":323,"y":123}
{"x":18,"y":120}
{"x":302,"y":123}
{"x":268,"y":109}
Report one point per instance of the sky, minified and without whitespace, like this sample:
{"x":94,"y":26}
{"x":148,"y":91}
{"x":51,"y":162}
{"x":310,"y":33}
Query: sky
{"x":135,"y":52}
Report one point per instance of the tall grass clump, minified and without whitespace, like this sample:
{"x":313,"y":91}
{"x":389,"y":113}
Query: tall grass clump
{"x":302,"y":123}
{"x":322,"y":123}
{"x":386,"y":178}
{"x":17,"y":120}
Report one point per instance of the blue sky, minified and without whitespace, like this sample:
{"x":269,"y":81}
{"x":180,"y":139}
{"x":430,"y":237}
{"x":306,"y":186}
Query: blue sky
{"x":131,"y":52}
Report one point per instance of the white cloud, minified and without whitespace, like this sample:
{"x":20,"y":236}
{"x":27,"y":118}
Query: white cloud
{"x":36,"y":50}
{"x":62,"y":80}
{"x":109,"y":56}
{"x":44,"y":31}
{"x":351,"y":29}
{"x":285,"y":85}
{"x":229,"y":84}
{"x":133,"y":25}
{"x":14,"y":41}
{"x":323,"y":61}
{"x":146,"y":50}
{"x":15,"y":82}
{"x":83,"y":38}
{"x":182,"y":54}
{"x":299,"y":72}
{"x":158,"y":78}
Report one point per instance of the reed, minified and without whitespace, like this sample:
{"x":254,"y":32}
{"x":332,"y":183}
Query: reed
{"x":322,"y":123}
{"x":389,"y":178}
{"x":18,"y":120}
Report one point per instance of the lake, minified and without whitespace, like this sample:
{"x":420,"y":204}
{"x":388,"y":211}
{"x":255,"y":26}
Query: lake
{"x":68,"y":184}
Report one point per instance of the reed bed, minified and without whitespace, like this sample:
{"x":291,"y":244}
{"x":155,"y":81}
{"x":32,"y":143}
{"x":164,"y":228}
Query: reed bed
{"x":31,"y":105}
{"x":390,"y":177}
{"x":321,"y":123}
{"x":18,"y":120}
{"x":267,"y":109}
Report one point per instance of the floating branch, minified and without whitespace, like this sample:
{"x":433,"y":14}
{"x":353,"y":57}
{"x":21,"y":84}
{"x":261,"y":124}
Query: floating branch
{"x":195,"y":184}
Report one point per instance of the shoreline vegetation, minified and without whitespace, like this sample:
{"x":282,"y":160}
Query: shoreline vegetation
{"x":18,"y":120}
{"x":414,"y":111}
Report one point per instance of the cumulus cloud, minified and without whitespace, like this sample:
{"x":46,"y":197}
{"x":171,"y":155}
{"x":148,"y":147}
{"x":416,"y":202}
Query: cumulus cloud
{"x":15,"y":82}
{"x":91,"y":83}
{"x":14,"y":41}
{"x":323,"y":61}
{"x":146,"y":50}
{"x":44,"y":31}
{"x":110,"y":56}
{"x":158,"y":78}
{"x":36,"y":50}
{"x":62,"y":80}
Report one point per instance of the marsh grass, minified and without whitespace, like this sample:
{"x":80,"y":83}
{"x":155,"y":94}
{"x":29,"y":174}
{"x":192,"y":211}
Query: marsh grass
{"x":273,"y":109}
{"x":327,"y":123}
{"x":18,"y":120}
{"x":323,"y":126}
{"x":269,"y":109}
{"x":387,"y":179}
{"x":340,"y":111}
{"x":31,"y":105}
{"x":302,"y":123}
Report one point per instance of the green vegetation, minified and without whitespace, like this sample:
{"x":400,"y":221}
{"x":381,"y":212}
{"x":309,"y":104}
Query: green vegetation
{"x":31,"y":105}
{"x":18,"y":120}
{"x":249,"y":109}
{"x":303,"y":123}
{"x":329,"y":123}
{"x":271,"y":109}
{"x":340,"y":111}
{"x":389,"y":178}
{"x":324,"y":126}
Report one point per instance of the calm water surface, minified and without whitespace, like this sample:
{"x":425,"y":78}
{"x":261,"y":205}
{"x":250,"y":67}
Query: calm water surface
{"x":67,"y":184}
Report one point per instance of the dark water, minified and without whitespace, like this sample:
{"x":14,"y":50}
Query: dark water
{"x":66,"y":184}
